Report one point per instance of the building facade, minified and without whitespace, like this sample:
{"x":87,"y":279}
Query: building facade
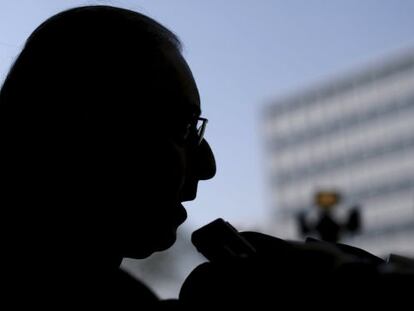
{"x":354,"y":134}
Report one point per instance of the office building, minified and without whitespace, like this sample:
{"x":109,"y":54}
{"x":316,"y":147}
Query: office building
{"x":354,"y":133}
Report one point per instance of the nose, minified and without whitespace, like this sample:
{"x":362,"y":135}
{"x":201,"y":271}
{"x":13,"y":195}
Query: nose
{"x":205,"y":164}
{"x":201,"y":166}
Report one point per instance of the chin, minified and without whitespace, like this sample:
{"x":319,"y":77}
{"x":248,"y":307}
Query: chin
{"x":162,"y":243}
{"x":166,"y":241}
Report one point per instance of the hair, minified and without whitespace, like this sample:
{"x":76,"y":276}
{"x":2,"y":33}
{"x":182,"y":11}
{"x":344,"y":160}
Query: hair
{"x":76,"y":75}
{"x":82,"y":80}
{"x":76,"y":58}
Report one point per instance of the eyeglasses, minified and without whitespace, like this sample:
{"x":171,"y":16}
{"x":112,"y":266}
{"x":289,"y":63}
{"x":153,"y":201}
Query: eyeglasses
{"x":195,"y":131}
{"x":201,"y":128}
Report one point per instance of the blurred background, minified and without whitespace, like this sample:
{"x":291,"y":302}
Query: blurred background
{"x":311,"y":117}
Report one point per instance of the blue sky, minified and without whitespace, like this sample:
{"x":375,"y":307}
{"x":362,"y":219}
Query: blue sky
{"x":244,"y":54}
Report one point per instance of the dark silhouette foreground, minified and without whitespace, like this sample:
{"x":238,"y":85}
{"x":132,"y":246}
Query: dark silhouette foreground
{"x":102,"y":141}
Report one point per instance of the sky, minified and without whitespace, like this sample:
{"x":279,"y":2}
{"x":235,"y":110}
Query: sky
{"x":244,"y":55}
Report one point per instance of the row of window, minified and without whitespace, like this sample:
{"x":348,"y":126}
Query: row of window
{"x":390,"y":210}
{"x":355,"y":101}
{"x":363,"y":160}
{"x":356,"y":185}
{"x":381,"y":110}
{"x":345,"y":147}
{"x":392,"y":214}
{"x":364,"y":83}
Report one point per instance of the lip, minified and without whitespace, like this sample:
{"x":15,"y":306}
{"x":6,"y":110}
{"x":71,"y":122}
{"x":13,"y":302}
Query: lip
{"x":189,"y":197}
{"x":190,"y":192}
{"x":181,"y":214}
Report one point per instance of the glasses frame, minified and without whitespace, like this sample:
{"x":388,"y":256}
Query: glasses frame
{"x":201,"y":130}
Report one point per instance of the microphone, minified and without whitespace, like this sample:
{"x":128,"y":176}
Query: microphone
{"x":219,"y":240}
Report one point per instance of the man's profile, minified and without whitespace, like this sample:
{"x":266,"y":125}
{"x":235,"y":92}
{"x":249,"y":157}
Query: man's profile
{"x":102,"y":141}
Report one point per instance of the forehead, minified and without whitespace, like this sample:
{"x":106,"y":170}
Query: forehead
{"x":178,"y":85}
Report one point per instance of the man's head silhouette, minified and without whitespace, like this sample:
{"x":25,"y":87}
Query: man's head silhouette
{"x":99,"y":119}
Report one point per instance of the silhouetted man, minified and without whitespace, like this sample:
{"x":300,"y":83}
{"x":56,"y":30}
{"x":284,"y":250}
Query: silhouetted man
{"x":102,"y":141}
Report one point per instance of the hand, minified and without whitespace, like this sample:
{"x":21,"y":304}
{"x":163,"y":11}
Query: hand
{"x":298,"y":274}
{"x":279,"y":269}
